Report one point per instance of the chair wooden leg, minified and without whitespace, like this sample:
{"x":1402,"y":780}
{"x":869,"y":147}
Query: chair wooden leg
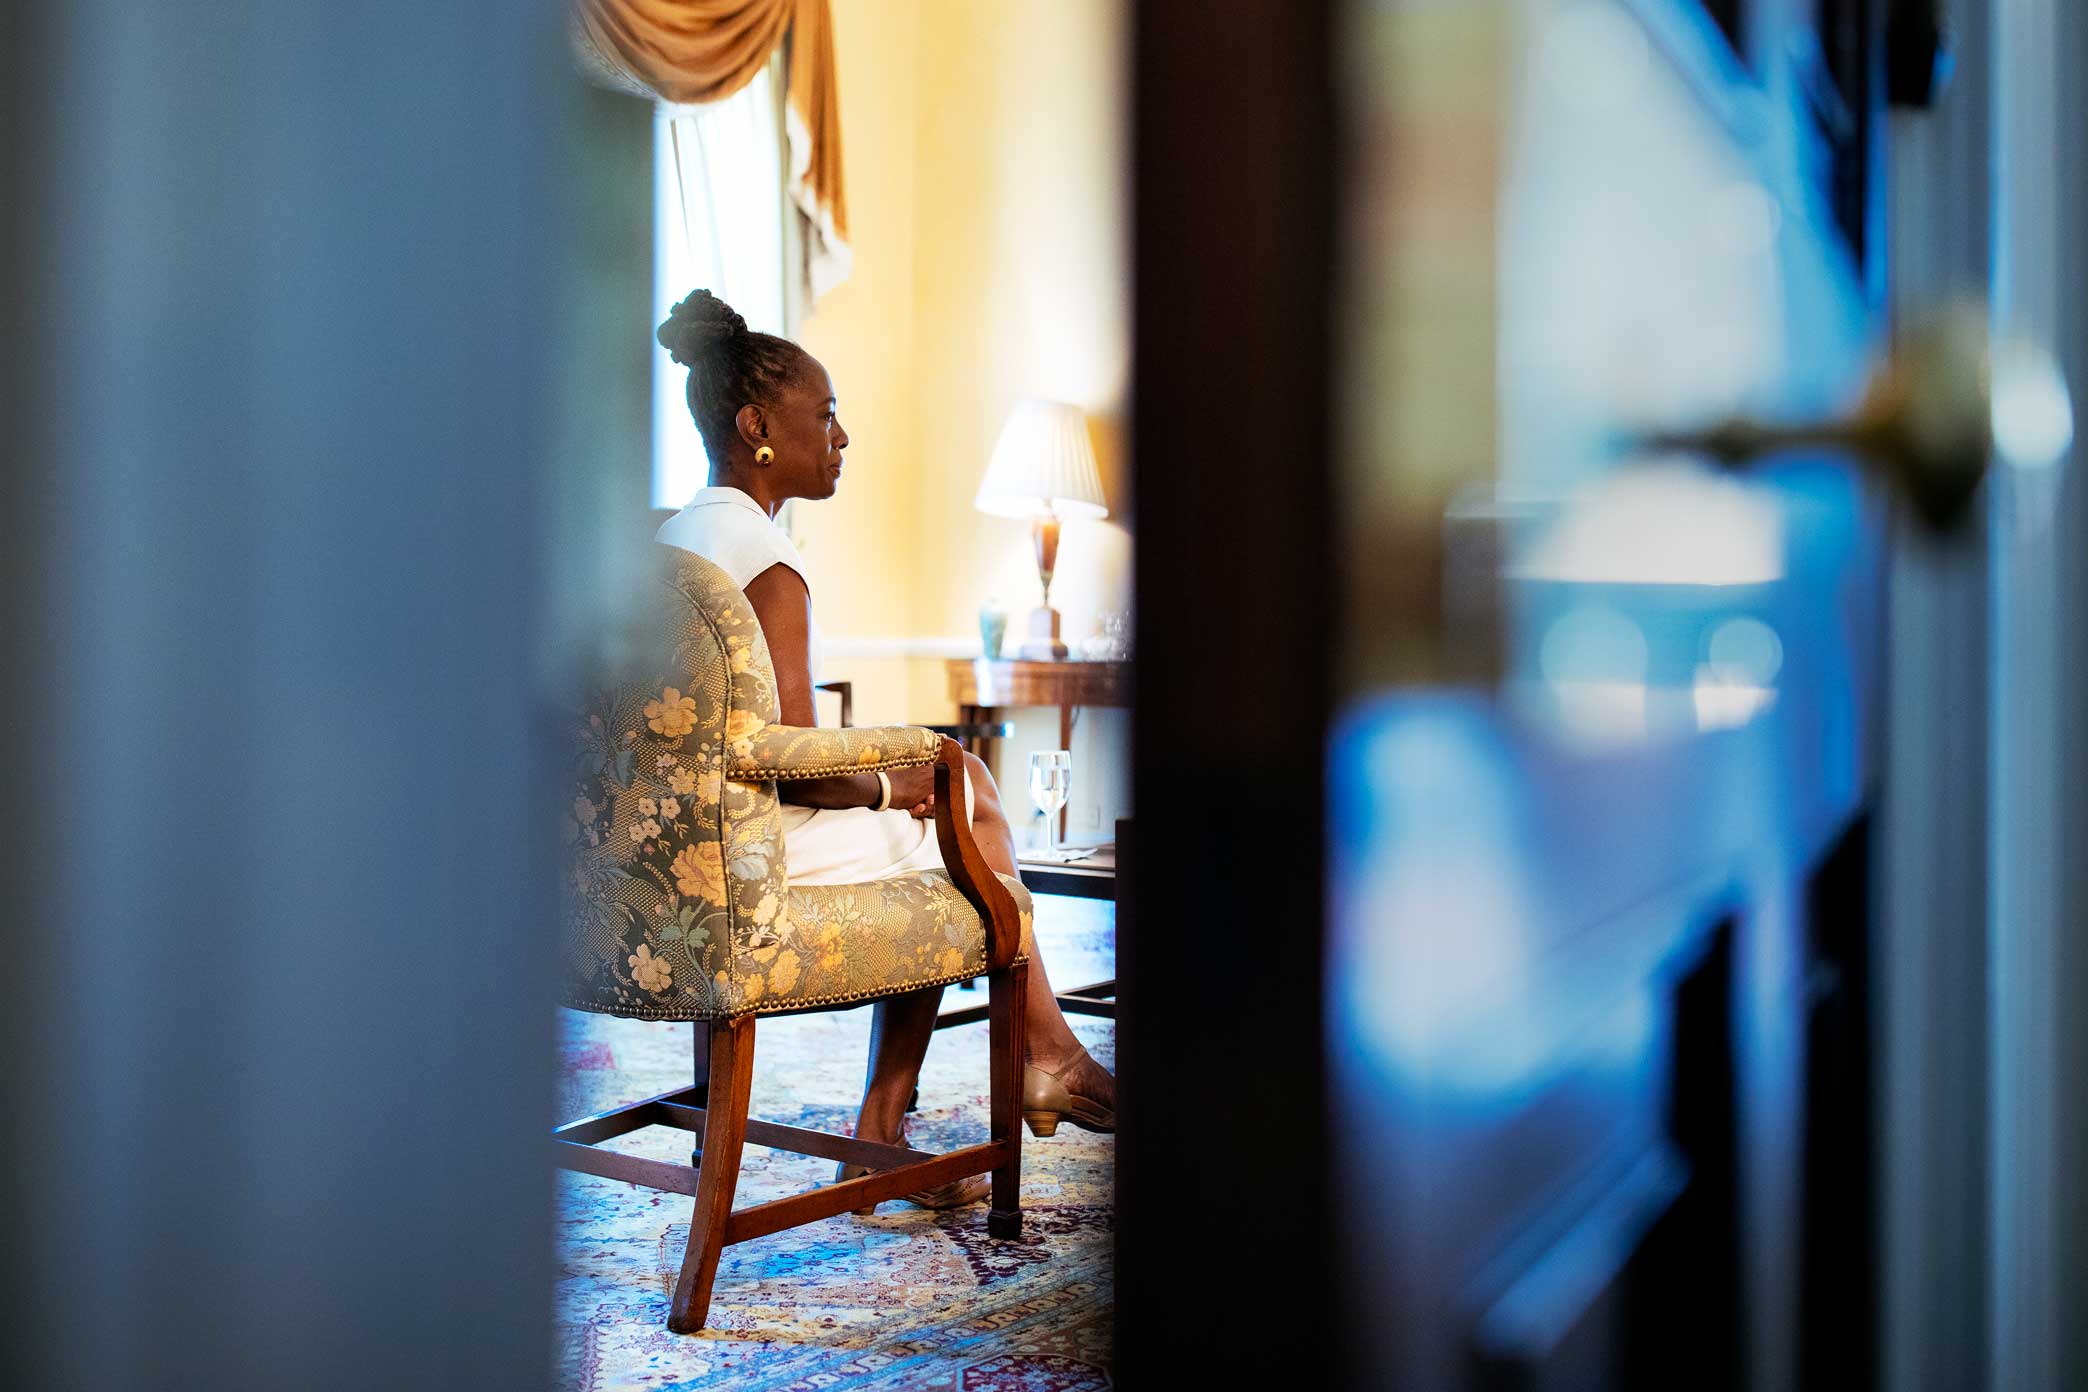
{"x":701,"y":1083}
{"x":731,"y":1054}
{"x":1006,"y":994}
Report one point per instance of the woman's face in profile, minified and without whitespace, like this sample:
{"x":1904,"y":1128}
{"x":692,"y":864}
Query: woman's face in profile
{"x":805,"y":431}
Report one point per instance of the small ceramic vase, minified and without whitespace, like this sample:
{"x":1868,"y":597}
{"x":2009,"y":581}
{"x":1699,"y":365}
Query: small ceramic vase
{"x":993,"y":627}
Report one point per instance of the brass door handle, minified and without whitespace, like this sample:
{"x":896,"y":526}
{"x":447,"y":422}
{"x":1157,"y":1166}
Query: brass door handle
{"x":1929,"y":419}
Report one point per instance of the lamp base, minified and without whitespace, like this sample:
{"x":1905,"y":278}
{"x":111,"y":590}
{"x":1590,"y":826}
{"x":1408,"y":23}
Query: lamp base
{"x":1042,"y":642}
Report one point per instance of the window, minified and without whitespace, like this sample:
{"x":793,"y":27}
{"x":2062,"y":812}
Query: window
{"x":718,"y":224}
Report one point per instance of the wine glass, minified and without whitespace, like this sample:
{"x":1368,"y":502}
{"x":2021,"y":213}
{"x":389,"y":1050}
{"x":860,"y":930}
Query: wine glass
{"x":1050,"y":779}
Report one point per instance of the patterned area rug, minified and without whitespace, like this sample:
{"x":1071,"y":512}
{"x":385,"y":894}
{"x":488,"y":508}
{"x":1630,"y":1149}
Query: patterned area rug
{"x":905,"y":1299}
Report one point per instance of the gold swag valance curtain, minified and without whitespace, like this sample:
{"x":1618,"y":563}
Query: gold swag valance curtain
{"x":696,"y":51}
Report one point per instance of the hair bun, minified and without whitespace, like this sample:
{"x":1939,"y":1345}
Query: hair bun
{"x":697,"y":325}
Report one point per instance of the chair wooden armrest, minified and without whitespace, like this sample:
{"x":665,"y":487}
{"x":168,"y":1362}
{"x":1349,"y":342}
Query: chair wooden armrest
{"x":967,"y":867}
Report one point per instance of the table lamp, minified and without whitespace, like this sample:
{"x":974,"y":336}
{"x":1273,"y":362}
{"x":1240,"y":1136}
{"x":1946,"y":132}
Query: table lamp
{"x":1043,"y":468}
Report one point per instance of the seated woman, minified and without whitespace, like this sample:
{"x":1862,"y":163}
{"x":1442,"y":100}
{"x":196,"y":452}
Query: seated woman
{"x":766,"y":411}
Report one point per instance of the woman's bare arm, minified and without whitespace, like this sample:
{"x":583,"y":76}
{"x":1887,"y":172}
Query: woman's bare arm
{"x":784,"y":607}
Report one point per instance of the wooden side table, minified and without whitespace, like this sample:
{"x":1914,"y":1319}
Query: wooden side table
{"x":982,"y":688}
{"x":1091,"y":877}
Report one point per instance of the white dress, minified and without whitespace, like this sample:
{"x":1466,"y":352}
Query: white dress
{"x":820,"y":845}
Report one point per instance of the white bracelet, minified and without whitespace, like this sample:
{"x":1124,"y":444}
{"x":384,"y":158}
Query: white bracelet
{"x":884,"y":792}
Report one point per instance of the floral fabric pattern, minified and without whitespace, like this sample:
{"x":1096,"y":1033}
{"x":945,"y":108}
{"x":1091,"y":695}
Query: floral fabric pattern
{"x":678,"y":901}
{"x":673,"y":715}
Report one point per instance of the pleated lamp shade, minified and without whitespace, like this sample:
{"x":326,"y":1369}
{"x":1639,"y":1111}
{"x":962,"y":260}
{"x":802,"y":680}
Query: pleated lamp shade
{"x":1043,"y":462}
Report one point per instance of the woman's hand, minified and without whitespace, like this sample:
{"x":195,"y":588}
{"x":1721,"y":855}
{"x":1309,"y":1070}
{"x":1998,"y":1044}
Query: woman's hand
{"x":914,"y":789}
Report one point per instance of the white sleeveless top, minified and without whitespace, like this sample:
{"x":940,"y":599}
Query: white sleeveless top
{"x":728,"y":528}
{"x":820,"y":845}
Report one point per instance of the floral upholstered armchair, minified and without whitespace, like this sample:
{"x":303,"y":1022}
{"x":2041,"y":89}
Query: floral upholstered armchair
{"x":679,"y":907}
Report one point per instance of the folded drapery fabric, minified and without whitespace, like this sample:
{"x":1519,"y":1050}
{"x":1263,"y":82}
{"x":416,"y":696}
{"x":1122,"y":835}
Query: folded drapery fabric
{"x":693,"y":51}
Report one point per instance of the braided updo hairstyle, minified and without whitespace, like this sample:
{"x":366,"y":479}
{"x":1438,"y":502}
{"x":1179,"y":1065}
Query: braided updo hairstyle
{"x":729,"y":364}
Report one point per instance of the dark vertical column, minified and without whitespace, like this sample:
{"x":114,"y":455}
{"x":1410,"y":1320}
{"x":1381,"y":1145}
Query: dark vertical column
{"x":1685,"y":1325}
{"x":279,"y":981}
{"x":1839,"y":1286}
{"x":1223,"y":1253}
{"x":20,"y":558}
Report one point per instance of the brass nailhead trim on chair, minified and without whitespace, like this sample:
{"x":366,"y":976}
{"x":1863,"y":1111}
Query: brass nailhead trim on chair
{"x":750,"y":772}
{"x":789,"y":1004}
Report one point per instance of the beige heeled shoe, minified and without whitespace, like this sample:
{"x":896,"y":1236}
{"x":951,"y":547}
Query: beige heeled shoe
{"x":1047,"y":1101}
{"x":955,"y":1194}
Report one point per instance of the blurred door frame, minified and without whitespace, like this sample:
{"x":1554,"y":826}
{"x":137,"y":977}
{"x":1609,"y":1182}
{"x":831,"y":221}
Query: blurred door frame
{"x":1931,"y":955}
{"x":1223,"y":1255}
{"x":1984,"y":961}
{"x":2038,"y":804}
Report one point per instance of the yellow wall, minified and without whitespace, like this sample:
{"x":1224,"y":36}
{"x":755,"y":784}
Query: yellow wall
{"x":857,"y":544}
{"x":986,"y":159}
{"x":1020,"y":283}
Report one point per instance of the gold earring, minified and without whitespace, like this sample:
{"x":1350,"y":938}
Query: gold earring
{"x":764,"y":455}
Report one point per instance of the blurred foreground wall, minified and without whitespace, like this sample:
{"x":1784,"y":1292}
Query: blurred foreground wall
{"x":276,"y":1059}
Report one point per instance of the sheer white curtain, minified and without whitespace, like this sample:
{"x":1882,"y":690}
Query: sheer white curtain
{"x":719,"y":222}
